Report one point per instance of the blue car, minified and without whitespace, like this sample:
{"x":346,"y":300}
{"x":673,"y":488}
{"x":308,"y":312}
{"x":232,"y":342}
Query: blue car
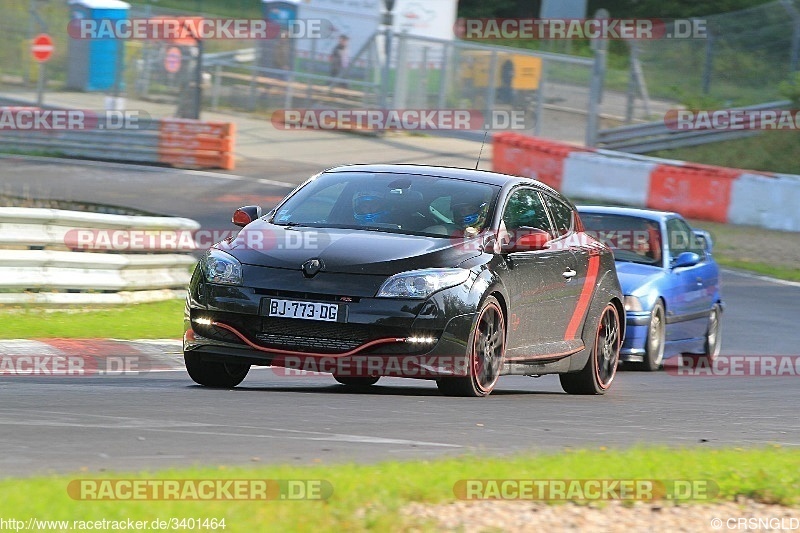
{"x":670,"y":281}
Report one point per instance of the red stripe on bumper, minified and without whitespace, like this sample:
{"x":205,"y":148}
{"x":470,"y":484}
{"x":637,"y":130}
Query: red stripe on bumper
{"x":354,"y":351}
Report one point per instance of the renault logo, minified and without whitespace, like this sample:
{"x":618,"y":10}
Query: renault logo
{"x":311,"y":267}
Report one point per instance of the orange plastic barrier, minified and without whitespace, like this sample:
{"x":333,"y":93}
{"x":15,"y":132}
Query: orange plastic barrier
{"x":190,"y":143}
{"x":531,"y":157}
{"x":695,"y":191}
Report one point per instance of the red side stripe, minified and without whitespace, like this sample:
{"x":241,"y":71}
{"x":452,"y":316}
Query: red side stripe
{"x":585,"y":298}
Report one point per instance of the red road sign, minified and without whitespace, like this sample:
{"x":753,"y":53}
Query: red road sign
{"x":42,"y":47}
{"x":172,"y":60}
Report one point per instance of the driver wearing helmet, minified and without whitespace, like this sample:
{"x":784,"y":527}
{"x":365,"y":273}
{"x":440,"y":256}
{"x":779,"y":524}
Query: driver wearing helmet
{"x":370,"y":207}
{"x":468,"y":213}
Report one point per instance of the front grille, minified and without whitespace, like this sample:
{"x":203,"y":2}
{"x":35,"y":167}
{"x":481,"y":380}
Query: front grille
{"x":358,"y":333}
{"x":309,"y":335}
{"x":316,"y":344}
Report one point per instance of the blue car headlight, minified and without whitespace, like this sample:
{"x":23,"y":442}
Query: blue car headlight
{"x":422,"y":283}
{"x":221,"y":267}
{"x":633,"y":304}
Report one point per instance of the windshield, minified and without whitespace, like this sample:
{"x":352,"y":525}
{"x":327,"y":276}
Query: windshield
{"x":633,"y":239}
{"x":397,"y":203}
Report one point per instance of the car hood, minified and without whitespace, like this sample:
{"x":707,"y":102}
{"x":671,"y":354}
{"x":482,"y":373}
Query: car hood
{"x":345,"y":250}
{"x":633,"y":276}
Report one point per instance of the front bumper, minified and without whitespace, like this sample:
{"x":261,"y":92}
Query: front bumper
{"x":381,"y":336}
{"x":633,"y":348}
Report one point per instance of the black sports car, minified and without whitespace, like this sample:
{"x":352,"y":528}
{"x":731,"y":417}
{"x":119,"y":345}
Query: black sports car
{"x":416,"y":271}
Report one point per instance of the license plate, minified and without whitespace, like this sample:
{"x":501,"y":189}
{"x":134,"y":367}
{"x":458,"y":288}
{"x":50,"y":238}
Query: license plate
{"x":304,"y":310}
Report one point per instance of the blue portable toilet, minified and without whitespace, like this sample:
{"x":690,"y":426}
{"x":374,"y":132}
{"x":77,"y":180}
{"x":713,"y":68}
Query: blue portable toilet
{"x":277,"y":52}
{"x":96,"y":64}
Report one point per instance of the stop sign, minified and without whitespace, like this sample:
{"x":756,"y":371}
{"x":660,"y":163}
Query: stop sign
{"x":42,"y":47}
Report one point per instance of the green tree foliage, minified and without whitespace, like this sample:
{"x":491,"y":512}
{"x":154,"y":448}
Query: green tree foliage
{"x":617,"y":8}
{"x":671,"y":8}
{"x":498,"y":8}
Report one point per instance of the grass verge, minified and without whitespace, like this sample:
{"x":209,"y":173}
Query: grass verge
{"x":371,"y":497}
{"x":771,"y":151}
{"x":780,"y":272}
{"x":761,"y":251}
{"x":158,"y":320}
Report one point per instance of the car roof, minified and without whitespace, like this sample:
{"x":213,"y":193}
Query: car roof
{"x":650,"y":214}
{"x":480,"y":176}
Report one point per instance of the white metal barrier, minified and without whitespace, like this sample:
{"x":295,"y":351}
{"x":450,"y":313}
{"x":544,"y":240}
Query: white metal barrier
{"x":39,"y":263}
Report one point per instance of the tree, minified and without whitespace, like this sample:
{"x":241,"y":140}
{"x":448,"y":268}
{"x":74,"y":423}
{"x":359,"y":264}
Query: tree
{"x":617,"y":8}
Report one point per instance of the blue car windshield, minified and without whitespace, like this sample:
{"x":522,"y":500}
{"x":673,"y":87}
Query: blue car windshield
{"x":395,"y":203}
{"x":633,"y":239}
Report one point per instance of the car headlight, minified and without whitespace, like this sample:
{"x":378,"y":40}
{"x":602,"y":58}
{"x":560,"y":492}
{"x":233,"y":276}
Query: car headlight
{"x":632,"y":303}
{"x":422,"y":283}
{"x":221,"y":267}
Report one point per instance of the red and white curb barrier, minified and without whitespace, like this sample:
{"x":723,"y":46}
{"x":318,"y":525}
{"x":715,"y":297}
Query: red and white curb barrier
{"x":704,"y":192}
{"x":88,"y":357}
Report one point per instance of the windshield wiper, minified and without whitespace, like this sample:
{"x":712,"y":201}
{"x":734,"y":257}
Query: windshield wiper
{"x":292,"y":224}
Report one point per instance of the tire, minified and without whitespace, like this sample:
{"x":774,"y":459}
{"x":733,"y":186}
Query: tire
{"x":713,"y":335}
{"x":601,"y":367}
{"x":353,"y":381}
{"x":656,"y":336}
{"x":487,"y":351}
{"x":214,"y":373}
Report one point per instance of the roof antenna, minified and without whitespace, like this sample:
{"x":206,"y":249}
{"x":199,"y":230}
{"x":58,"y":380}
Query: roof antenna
{"x":478,"y":162}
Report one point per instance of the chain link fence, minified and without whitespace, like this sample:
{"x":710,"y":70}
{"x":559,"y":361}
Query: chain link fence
{"x":550,"y":90}
{"x":743,"y":60}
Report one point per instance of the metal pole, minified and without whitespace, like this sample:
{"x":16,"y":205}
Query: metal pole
{"x":198,"y":101}
{"x":118,"y":74}
{"x":401,"y":74}
{"x":289,"y":93}
{"x":491,"y":86}
{"x":794,"y":54}
{"x":537,"y":125}
{"x":709,"y":63}
{"x":40,"y":86}
{"x":596,"y":87}
{"x":422,"y":95}
{"x":386,"y":21}
{"x":387,"y":48}
{"x":34,"y":18}
{"x":630,"y":96}
{"x":217,"y":82}
{"x":443,"y":77}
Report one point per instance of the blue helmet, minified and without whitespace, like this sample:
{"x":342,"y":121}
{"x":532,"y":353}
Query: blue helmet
{"x":468,"y":213}
{"x":370,"y":207}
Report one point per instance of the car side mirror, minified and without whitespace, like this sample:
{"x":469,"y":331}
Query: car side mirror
{"x":526,"y":240}
{"x":686,"y":259}
{"x":245,"y":215}
{"x":704,"y":238}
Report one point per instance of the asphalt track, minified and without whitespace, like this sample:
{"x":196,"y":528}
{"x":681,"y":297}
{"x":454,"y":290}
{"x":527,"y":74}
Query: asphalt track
{"x":59,"y":424}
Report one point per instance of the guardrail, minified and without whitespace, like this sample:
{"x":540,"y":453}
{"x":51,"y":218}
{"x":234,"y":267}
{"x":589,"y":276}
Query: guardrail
{"x":652,"y":136}
{"x":182,"y":143}
{"x":42,"y":261}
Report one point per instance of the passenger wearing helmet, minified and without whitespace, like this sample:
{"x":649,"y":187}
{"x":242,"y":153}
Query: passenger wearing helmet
{"x":370,"y":207}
